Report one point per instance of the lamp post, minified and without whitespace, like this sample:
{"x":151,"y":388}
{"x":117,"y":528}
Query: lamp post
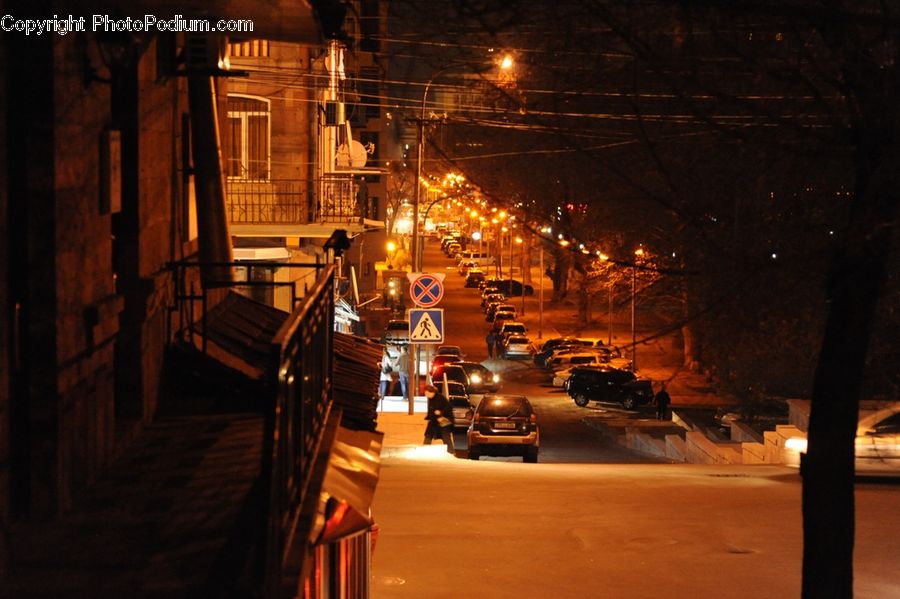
{"x":522,"y":271}
{"x":505,"y":65}
{"x":637,"y":254}
{"x":541,"y":293}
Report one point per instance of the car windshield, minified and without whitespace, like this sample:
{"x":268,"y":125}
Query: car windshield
{"x":505,"y":407}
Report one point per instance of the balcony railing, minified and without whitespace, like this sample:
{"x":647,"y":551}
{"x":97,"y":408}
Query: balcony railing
{"x":289,"y":201}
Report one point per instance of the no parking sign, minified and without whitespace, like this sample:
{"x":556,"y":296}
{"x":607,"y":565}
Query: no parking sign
{"x":426,"y":290}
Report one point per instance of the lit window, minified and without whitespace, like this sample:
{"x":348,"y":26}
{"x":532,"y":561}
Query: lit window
{"x":248,"y":123}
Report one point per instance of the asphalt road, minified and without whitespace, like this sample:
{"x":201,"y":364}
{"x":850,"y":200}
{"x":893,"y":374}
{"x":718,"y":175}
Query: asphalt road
{"x":564,"y":435}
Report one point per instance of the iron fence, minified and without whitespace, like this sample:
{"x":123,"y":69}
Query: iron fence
{"x":289,"y":201}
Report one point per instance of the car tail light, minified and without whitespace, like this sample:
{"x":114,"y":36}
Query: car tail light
{"x":476,"y":418}
{"x":533,"y":419}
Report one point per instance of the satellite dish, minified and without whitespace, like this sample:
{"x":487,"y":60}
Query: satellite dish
{"x":354,"y":157}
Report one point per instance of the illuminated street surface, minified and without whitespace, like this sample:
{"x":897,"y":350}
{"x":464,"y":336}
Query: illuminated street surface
{"x":592,"y":519}
{"x":464,"y":529}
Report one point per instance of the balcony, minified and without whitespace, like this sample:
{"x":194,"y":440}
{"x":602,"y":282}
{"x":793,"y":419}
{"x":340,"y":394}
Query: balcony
{"x":267,"y":202}
{"x":295,"y":207}
{"x":289,"y":201}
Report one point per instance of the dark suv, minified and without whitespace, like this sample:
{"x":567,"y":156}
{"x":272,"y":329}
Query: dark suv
{"x":608,"y":384}
{"x":504,"y":425}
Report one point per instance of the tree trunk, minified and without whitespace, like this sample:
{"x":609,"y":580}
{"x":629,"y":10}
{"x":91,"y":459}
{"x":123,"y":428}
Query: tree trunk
{"x":854,"y":286}
{"x":584,"y":300}
{"x":690,"y":353}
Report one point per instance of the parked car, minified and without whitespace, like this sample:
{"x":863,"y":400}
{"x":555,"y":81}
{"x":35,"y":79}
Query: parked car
{"x":877,"y":444}
{"x":607,"y":384}
{"x":479,"y":378}
{"x":512,"y":327}
{"x":489,"y":282}
{"x":492,"y":298}
{"x":464,"y":267}
{"x":550,"y":345}
{"x":576,"y":358}
{"x":453,"y":249}
{"x":440,"y":360}
{"x":396,"y":332}
{"x":451,"y":350}
{"x":453,"y":373}
{"x":512,"y":288}
{"x":516,"y":346}
{"x":504,"y":425}
{"x":462,"y":411}
{"x":479,"y":258}
{"x":474,"y":277}
{"x":501,"y":317}
{"x":453,"y":237}
{"x":561,"y":377}
{"x":454,"y":389}
{"x":494,"y":309}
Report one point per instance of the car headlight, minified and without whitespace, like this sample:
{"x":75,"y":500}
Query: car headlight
{"x":496,"y":378}
{"x":476,"y":378}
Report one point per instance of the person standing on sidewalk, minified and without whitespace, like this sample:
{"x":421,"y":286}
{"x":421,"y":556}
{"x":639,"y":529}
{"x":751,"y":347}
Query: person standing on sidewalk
{"x":439,"y":417}
{"x":385,"y":380}
{"x":490,"y":339}
{"x":402,"y":369}
{"x":662,"y":400}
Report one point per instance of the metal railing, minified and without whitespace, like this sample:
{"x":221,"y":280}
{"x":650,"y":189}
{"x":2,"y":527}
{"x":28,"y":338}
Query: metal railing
{"x":297,"y":401}
{"x":281,"y":201}
{"x":288,"y":201}
{"x":301,"y":379}
{"x":192,"y":299}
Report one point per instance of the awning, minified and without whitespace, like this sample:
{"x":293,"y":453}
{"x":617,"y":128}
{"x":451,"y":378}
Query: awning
{"x":349,"y":486}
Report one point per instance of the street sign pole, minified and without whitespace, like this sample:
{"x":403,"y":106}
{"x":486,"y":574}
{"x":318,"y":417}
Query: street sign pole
{"x":426,"y":291}
{"x":413,"y":377}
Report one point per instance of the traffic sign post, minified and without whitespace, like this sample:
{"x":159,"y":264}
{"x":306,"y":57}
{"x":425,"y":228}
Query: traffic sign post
{"x":426,"y":325}
{"x":426,"y":290}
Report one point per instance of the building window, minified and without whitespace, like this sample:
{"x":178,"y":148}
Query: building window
{"x":249,"y":48}
{"x":249,"y":134}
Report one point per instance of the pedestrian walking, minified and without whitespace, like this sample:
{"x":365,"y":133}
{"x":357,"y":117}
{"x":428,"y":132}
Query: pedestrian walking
{"x":439,"y":417}
{"x":662,"y":400}
{"x":385,"y":379}
{"x":490,"y":339}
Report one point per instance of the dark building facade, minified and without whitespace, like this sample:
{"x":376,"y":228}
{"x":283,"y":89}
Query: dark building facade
{"x":112,"y":182}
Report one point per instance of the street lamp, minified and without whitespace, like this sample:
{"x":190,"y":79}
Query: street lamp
{"x":506,"y":65}
{"x":637,"y":254}
{"x":609,"y":310}
{"x":521,"y":268}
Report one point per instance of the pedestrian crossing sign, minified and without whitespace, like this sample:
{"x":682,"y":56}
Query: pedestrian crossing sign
{"x":426,"y":325}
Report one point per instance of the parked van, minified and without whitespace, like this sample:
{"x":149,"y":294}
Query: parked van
{"x":576,"y":359}
{"x":479,"y":258}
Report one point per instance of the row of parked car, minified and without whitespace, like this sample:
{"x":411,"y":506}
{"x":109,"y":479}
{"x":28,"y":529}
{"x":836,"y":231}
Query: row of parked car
{"x":589,"y":370}
{"x":510,"y":336}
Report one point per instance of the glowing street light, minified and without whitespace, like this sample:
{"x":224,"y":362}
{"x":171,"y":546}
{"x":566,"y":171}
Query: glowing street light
{"x":638,"y":253}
